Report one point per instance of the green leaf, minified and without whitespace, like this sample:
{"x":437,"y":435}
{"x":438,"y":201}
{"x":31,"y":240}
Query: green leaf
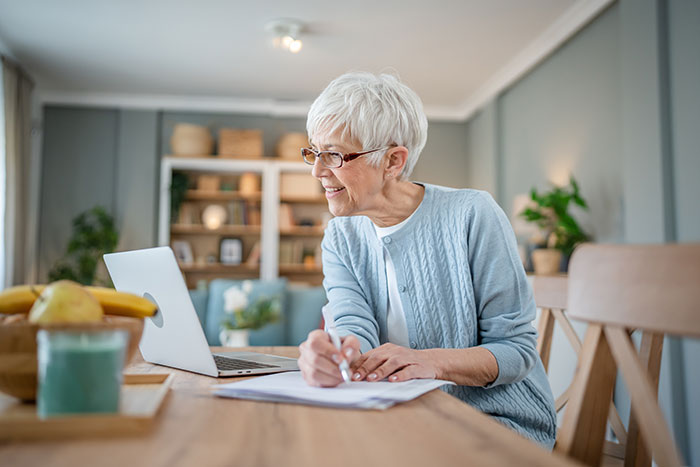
{"x":94,"y":234}
{"x":552,"y":215}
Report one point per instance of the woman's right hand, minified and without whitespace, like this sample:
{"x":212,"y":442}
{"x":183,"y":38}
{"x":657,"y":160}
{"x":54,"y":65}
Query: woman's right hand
{"x":319,"y":359}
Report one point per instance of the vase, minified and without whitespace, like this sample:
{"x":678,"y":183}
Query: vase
{"x":234,"y":337}
{"x":546,"y":261}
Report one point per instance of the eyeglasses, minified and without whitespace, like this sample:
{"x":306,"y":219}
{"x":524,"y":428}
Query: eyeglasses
{"x":332,"y":159}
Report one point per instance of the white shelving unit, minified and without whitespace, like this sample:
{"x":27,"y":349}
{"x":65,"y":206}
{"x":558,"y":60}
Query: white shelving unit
{"x":269,"y":170}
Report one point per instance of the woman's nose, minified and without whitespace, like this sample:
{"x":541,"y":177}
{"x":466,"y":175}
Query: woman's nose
{"x":318,"y":170}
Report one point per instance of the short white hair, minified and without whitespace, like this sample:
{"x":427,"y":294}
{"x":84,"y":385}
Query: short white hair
{"x":376,"y":111}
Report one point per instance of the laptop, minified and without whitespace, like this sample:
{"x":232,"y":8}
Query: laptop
{"x":174,"y":336}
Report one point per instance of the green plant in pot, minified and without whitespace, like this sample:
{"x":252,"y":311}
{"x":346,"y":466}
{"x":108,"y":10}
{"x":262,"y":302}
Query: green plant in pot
{"x":241,"y":316}
{"x":562,"y":234}
{"x":94,"y":234}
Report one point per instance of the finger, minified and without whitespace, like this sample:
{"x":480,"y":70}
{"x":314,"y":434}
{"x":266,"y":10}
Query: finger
{"x":391,"y":365}
{"x":405,"y":374}
{"x":372,"y":362}
{"x":314,"y":377}
{"x":412,"y":371}
{"x":359,"y":360}
{"x":319,"y":342}
{"x":319,"y":364}
{"x":350,"y":348}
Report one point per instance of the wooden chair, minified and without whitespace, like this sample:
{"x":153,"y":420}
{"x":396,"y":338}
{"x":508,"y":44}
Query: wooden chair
{"x":618,"y":288}
{"x":551,"y":295}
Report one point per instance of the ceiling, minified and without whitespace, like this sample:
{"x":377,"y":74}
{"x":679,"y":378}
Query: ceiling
{"x":168,"y":53}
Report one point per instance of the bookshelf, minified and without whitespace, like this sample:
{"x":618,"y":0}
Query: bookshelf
{"x":285,"y":227}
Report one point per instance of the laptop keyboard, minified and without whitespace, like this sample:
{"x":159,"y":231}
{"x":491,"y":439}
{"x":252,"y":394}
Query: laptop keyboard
{"x":228,"y":364}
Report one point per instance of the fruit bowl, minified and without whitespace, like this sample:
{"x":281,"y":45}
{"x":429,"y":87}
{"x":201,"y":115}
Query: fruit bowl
{"x":18,"y":349}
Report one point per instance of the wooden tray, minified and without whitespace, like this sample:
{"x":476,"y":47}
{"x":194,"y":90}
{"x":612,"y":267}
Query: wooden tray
{"x":141,"y":397}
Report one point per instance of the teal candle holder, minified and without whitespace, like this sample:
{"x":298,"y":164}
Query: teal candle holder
{"x":79,"y":371}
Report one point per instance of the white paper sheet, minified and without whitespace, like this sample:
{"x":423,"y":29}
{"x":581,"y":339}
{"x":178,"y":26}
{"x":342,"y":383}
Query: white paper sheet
{"x":290,"y":387}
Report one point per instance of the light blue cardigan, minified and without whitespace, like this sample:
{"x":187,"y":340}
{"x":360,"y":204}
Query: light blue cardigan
{"x":461,"y":284}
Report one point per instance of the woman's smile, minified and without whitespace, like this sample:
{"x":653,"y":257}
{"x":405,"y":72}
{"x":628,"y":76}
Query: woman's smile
{"x":332,"y":192}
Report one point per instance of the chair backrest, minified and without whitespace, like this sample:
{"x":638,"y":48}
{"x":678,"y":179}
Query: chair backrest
{"x":619,"y":288}
{"x":551,"y":291}
{"x":652,"y":287}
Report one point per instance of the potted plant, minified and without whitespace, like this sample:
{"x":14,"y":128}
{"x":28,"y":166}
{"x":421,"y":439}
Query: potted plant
{"x":550,"y":211}
{"x":240,"y":316}
{"x":94,"y":234}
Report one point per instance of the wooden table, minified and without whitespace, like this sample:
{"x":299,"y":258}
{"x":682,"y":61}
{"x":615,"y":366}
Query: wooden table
{"x":197,"y":429}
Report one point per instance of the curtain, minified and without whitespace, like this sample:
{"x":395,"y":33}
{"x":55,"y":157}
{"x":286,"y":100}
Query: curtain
{"x":17,"y":245}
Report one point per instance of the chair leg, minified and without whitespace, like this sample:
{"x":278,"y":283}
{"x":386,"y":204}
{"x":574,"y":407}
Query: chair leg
{"x":652,"y":424}
{"x":582,"y":433}
{"x":636,"y":453}
{"x":545,"y":331}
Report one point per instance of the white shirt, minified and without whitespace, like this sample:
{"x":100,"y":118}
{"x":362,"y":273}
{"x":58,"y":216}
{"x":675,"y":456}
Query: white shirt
{"x":397,"y":329}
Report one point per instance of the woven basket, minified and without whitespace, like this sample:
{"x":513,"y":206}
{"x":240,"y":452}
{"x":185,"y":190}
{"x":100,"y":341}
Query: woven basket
{"x":18,"y":360}
{"x":290,"y":144}
{"x":191,"y":140}
{"x":240,"y":144}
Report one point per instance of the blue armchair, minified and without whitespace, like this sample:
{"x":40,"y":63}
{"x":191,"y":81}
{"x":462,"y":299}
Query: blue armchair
{"x":301,"y":310}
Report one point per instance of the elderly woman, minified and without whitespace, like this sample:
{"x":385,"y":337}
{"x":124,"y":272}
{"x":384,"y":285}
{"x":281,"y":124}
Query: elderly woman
{"x":422,"y":281}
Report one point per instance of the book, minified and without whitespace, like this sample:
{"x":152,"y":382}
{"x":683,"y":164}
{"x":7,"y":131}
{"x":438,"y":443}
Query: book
{"x":254,"y":256}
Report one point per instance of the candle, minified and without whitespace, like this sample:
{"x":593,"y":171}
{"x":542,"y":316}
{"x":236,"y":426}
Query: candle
{"x":80,"y":371}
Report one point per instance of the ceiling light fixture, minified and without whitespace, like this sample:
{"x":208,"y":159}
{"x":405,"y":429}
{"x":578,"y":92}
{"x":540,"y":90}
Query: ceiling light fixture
{"x":286,"y":32}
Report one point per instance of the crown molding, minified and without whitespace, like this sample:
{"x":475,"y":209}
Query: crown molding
{"x":552,"y":38}
{"x":575,"y":18}
{"x":214,"y":104}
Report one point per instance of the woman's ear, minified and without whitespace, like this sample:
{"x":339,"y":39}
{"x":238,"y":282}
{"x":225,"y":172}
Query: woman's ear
{"x":396,"y":160}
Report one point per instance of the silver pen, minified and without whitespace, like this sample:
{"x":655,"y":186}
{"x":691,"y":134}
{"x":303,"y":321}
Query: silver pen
{"x":333,"y":332}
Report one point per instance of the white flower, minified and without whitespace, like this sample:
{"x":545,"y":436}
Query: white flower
{"x":234,"y":299}
{"x":247,"y":287}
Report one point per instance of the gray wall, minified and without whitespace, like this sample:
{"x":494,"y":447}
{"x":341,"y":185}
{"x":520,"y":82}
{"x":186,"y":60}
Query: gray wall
{"x":137,"y":172}
{"x":444,"y":158}
{"x":482,"y":149}
{"x":96,"y":157}
{"x":77,"y":173}
{"x":563,"y":118}
{"x":618,"y":106}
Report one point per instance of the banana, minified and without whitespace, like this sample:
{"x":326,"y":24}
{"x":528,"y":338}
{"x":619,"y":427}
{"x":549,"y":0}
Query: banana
{"x":122,"y":303}
{"x":20,"y":298}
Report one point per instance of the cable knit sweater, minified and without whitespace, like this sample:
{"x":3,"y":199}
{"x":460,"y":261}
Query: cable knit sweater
{"x":461,"y":285}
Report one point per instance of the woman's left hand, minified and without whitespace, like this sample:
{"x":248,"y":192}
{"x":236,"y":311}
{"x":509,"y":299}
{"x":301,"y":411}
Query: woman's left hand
{"x":395,"y":362}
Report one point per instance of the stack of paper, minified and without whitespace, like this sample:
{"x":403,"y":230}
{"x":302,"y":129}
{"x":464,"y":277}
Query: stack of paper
{"x":290,"y":387}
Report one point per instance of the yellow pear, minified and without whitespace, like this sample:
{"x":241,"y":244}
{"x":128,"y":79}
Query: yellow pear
{"x":65,"y":302}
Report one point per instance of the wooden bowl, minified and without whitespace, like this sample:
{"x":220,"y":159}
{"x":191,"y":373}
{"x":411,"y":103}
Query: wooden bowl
{"x":18,"y":361}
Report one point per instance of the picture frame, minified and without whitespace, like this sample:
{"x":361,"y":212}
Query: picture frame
{"x":183,"y":251}
{"x":231,"y":251}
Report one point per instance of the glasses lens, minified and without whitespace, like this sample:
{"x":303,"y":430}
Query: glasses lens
{"x":331,"y":159}
{"x":309,"y":155}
